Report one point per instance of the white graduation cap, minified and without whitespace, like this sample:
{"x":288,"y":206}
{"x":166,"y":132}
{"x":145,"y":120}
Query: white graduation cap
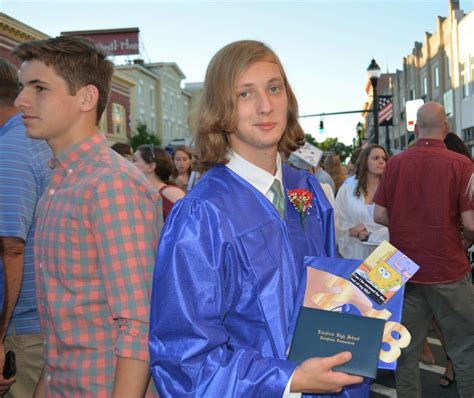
{"x":305,"y":157}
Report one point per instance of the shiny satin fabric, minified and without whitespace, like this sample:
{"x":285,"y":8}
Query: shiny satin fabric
{"x":225,"y":286}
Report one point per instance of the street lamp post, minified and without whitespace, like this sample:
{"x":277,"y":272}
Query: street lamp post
{"x":374,"y":73}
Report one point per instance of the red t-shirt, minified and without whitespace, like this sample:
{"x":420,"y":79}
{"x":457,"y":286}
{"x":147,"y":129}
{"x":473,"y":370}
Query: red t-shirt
{"x":424,"y":190}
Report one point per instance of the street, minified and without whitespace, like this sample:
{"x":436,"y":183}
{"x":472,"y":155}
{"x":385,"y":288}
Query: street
{"x":384,"y":385}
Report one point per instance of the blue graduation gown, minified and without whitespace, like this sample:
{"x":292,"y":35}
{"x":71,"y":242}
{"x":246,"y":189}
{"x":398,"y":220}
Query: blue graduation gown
{"x":225,"y":286}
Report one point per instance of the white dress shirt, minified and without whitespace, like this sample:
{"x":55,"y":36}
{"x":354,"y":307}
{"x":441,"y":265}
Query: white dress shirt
{"x":260,"y":179}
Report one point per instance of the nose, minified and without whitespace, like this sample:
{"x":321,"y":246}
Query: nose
{"x":21,"y":100}
{"x":264,"y":103}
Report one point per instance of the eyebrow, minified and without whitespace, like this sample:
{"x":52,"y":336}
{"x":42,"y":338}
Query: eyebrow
{"x":34,"y":81}
{"x":273,"y":80}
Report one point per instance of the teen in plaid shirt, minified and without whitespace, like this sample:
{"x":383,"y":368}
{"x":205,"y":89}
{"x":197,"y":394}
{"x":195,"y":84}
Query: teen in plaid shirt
{"x":98,"y":225}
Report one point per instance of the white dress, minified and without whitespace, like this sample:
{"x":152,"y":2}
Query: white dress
{"x":351,"y":211}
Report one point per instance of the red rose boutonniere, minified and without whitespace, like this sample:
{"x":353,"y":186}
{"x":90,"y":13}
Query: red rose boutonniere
{"x":301,"y":199}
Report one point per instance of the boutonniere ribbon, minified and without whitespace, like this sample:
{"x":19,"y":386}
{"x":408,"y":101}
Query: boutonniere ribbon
{"x":301,"y":200}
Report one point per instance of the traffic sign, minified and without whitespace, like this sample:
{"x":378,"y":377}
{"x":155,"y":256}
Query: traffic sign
{"x":411,"y":108}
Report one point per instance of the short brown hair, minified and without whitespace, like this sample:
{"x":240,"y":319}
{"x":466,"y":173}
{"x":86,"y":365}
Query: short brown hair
{"x":79,"y":61}
{"x":9,"y":87}
{"x":122,"y":149}
{"x":216,"y":114}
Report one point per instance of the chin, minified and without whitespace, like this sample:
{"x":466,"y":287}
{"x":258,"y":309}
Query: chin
{"x":33,"y":134}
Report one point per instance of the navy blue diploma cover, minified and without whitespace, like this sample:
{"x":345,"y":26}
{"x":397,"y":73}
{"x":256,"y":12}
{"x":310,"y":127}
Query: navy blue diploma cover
{"x":322,"y":333}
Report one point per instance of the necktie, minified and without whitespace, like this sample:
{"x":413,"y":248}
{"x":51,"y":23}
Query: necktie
{"x":278,"y":200}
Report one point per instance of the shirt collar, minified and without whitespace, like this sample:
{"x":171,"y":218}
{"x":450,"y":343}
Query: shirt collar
{"x":83,"y":151}
{"x":14,"y":121}
{"x":257,"y":177}
{"x":422,"y":142}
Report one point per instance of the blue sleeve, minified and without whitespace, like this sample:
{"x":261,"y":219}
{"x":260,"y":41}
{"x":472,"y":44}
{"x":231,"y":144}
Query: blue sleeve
{"x":18,"y":193}
{"x":195,"y":284}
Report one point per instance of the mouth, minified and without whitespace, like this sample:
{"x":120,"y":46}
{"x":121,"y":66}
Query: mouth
{"x":28,"y":118}
{"x":265,"y":126}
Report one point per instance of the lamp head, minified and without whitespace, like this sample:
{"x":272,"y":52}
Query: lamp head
{"x":373,"y":70}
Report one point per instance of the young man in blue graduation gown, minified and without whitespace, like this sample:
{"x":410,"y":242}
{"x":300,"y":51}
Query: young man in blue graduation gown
{"x":231,"y":254}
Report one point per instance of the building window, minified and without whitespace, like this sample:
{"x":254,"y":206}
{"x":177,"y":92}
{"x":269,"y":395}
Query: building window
{"x":171,"y":103}
{"x":468,"y":134}
{"x":153,"y":123}
{"x":425,"y":86}
{"x":465,"y":80}
{"x":412,"y":94}
{"x":119,"y":120}
{"x":448,"y":67}
{"x":152,"y":96}
{"x":472,"y":75}
{"x":140,"y":90}
{"x":436,"y":76}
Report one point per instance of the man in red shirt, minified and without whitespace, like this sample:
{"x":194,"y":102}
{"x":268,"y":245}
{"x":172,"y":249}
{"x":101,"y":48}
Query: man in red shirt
{"x":423,"y":199}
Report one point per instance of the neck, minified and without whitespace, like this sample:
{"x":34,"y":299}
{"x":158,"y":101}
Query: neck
{"x":155,"y":181}
{"x":266,"y":160}
{"x":433,"y":134}
{"x":372,"y":179}
{"x":64,"y":142}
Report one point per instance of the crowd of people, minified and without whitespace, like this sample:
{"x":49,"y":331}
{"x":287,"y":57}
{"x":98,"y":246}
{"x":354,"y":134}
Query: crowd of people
{"x":122,"y":264}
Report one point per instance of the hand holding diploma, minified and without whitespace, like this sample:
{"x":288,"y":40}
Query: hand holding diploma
{"x":315,"y":375}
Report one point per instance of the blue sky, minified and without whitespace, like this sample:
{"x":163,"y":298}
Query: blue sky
{"x":325,"y":46}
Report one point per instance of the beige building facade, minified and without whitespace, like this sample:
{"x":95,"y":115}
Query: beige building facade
{"x":439,"y":69}
{"x":159,"y":101}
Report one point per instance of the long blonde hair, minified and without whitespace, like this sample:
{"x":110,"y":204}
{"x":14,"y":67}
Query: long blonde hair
{"x":215,"y":117}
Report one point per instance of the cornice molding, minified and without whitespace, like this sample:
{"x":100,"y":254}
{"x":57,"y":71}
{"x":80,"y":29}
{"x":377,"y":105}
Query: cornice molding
{"x":18,"y":31}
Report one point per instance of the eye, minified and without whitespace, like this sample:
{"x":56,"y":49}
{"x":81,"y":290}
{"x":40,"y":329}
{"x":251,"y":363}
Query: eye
{"x":275,"y":89}
{"x":386,"y":275}
{"x":244,"y":94}
{"x":40,"y":89}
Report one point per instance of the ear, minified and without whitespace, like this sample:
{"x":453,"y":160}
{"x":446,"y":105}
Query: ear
{"x":88,"y":97}
{"x":417,"y":132}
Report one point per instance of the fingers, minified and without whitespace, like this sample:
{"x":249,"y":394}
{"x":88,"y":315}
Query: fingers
{"x":337,"y":359}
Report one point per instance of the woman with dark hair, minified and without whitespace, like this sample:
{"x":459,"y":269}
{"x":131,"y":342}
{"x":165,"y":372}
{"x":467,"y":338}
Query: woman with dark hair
{"x":182,"y":158}
{"x":156,"y":164}
{"x":454,"y":143}
{"x":357,"y":233}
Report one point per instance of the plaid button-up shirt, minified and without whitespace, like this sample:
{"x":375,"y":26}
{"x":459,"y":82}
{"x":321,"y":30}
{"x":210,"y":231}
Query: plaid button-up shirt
{"x":97,"y":229}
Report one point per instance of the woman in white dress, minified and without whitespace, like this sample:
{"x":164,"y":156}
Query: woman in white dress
{"x":356,"y":231}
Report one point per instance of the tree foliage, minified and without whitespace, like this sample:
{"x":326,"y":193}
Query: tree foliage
{"x":311,"y":140}
{"x":331,"y":145}
{"x":143,"y":136}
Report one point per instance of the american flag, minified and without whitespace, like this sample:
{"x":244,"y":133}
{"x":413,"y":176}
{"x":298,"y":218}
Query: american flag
{"x":385,"y":110}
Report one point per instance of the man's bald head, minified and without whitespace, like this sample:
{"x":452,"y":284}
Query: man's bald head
{"x":431,"y":121}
